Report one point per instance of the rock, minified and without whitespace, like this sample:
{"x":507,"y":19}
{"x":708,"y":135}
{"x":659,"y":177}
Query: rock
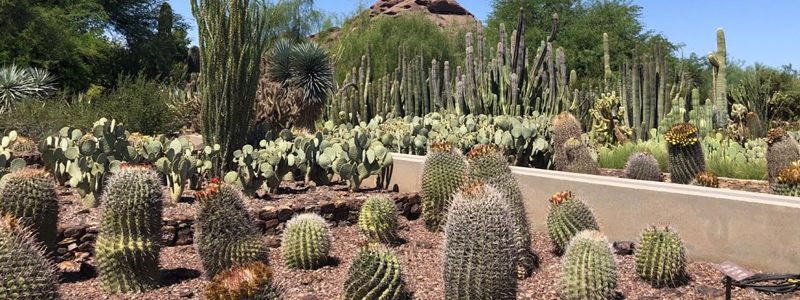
{"x":269,"y":212}
{"x":184,"y":237}
{"x":85,"y":247}
{"x":415,"y":209}
{"x":442,"y":12}
{"x":285,"y":213}
{"x":327,"y":207}
{"x":186,"y":294}
{"x":624,"y":247}
{"x":710,"y":291}
{"x":74,"y":231}
{"x":83,"y":211}
{"x":67,"y":241}
{"x":270,"y":224}
{"x":69,"y":266}
{"x":298,"y":208}
{"x":168,"y":234}
{"x":424,"y":244}
{"x":89,"y":237}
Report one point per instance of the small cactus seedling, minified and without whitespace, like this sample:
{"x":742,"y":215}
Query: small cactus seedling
{"x":685,"y":153}
{"x":661,"y":257}
{"x":568,"y":215}
{"x":375,"y":274}
{"x":26,"y":272}
{"x":306,"y":242}
{"x":378,"y":220}
{"x":249,"y":281}
{"x":443,"y":173}
{"x":589,"y":270}
{"x":643,"y":166}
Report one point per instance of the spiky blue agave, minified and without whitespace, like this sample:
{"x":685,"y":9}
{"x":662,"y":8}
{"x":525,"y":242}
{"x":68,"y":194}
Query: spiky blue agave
{"x":311,"y":71}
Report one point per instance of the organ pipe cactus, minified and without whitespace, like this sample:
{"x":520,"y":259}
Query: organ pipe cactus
{"x":686,"y":157}
{"x":643,"y":166}
{"x":27,"y":273}
{"x":568,"y":215}
{"x":661,"y":257}
{"x":249,"y":281}
{"x":782,"y":150}
{"x":129,"y":242}
{"x":306,"y":242}
{"x":378,"y":220}
{"x":479,"y":240}
{"x":30,"y":195}
{"x":589,"y":270}
{"x":375,"y":273}
{"x":443,"y":173}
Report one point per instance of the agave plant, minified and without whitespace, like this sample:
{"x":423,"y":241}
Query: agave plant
{"x":19,"y":83}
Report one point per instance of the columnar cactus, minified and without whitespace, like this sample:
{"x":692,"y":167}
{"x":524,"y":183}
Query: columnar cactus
{"x":226,"y":236}
{"x":643,"y":166}
{"x":128,"y":245}
{"x":26,"y":272}
{"x":565,"y":126}
{"x":589,"y":270}
{"x":686,"y":157}
{"x":782,"y":150}
{"x":568,"y":215}
{"x":30,"y":194}
{"x":375,"y":273}
{"x":487,"y":165}
{"x":788,"y":182}
{"x":479,"y":245}
{"x":378,"y":220}
{"x":661,"y":257}
{"x":443,"y":173}
{"x":579,"y":160}
{"x":706,"y":179}
{"x":249,"y":281}
{"x":306,"y":242}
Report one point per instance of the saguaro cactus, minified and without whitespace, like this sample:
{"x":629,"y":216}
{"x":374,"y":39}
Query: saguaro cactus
{"x":719,"y":64}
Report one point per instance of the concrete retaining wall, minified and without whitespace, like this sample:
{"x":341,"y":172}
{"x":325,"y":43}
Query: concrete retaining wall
{"x":755,"y":230}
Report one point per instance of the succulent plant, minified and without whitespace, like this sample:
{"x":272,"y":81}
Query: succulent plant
{"x":480,"y":245}
{"x":225,"y":236}
{"x":23,"y":144}
{"x":9,"y":163}
{"x":30,"y":194}
{"x":782,"y":150}
{"x":249,"y":281}
{"x":706,"y":179}
{"x":127,"y":248}
{"x":375,"y":273}
{"x":686,"y":157}
{"x":487,"y":165}
{"x":443,"y":173}
{"x":661,"y":257}
{"x":788,"y":181}
{"x":378,"y":220}
{"x":565,"y":126}
{"x":568,"y":215}
{"x":27,"y":273}
{"x":588,"y":270}
{"x":578,"y":158}
{"x":306,"y":242}
{"x":643,"y":166}
{"x":754,"y":125}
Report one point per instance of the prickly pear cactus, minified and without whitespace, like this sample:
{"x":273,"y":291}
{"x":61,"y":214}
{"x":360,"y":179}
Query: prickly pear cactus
{"x":568,"y":215}
{"x":225,"y":236}
{"x":26,"y":271}
{"x":643,"y":166}
{"x":788,"y":182}
{"x":30,"y":194}
{"x":706,"y":179}
{"x":588,"y":270}
{"x":782,"y":150}
{"x":378,"y":220}
{"x":375,"y":274}
{"x":249,"y":281}
{"x":487,"y":165}
{"x":129,"y":242}
{"x":565,"y":126}
{"x":443,"y":173}
{"x":306,"y":242}
{"x":479,"y":240}
{"x":661,"y":257}
{"x":579,"y":160}
{"x":686,"y":157}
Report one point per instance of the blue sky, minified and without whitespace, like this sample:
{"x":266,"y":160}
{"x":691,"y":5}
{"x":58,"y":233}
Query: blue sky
{"x":755,"y":31}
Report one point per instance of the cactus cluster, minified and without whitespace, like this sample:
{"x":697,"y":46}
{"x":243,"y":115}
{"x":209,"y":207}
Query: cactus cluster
{"x":378,"y":220}
{"x":568,"y":215}
{"x":30,"y":194}
{"x":375,"y":274}
{"x":578,"y":158}
{"x":661,"y":257}
{"x":443,"y":173}
{"x":782,"y":150}
{"x":643,"y":166}
{"x":686,"y":157}
{"x":479,"y":242}
{"x":706,"y":179}
{"x":788,"y":181}
{"x":306,"y":242}
{"x":26,"y":272}
{"x":127,"y":248}
{"x":249,"y":281}
{"x":565,"y":127}
{"x":589,"y":270}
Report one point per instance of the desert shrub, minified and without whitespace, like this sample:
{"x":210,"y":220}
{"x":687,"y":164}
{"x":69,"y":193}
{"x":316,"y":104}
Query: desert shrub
{"x":139,"y":103}
{"x":39,"y":119}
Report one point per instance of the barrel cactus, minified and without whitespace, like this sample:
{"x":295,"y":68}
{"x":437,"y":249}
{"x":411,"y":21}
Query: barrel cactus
{"x":661,"y":257}
{"x":565,"y":126}
{"x":249,"y":281}
{"x":375,"y":274}
{"x":579,"y":159}
{"x":443,"y":173}
{"x":782,"y":150}
{"x":30,"y":194}
{"x":306,"y":242}
{"x":487,"y":165}
{"x":588,"y":270}
{"x":26,"y":272}
{"x":226,"y":236}
{"x":568,"y":215}
{"x":128,"y":245}
{"x":378,"y":220}
{"x":686,"y":157}
{"x":479,"y":244}
{"x":706,"y":179}
{"x":788,"y":181}
{"x":643,"y":166}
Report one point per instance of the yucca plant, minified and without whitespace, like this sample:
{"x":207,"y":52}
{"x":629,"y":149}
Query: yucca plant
{"x":19,"y":83}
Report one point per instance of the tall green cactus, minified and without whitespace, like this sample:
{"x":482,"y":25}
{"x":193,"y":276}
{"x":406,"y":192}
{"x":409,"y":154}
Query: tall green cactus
{"x":661,"y":257}
{"x":374,"y":274}
{"x":565,"y":126}
{"x":568,"y":215}
{"x":306,"y":242}
{"x":443,"y":173}
{"x":378,"y":220}
{"x":249,"y":281}
{"x":26,"y":272}
{"x":719,"y":64}
{"x":686,"y":157}
{"x":479,"y":242}
{"x":225,"y":234}
{"x":129,"y":242}
{"x":643,"y":166}
{"x":782,"y":150}
{"x":30,"y":194}
{"x":589,"y":270}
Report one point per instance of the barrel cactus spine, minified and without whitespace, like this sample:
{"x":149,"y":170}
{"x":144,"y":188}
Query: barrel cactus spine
{"x":375,"y":273}
{"x":686,"y":157}
{"x":568,"y":215}
{"x":378,"y":220}
{"x":443,"y":173}
{"x":306,"y":242}
{"x":643,"y":166}
{"x":30,"y":194}
{"x":27,"y":273}
{"x":249,"y":281}
{"x":589,"y":270}
{"x":661,"y":257}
